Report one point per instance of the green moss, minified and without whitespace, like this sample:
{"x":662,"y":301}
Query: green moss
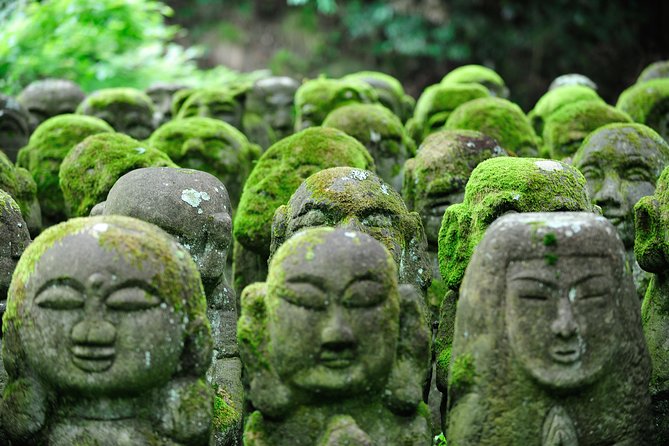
{"x":551,"y":259}
{"x":462,"y":372}
{"x":252,"y":325}
{"x":226,"y":416}
{"x":478,"y":74}
{"x":655,"y":70}
{"x":281,"y":169}
{"x":390,"y":90}
{"x":374,"y":78}
{"x":101,"y":99}
{"x":444,"y":359}
{"x":91,"y":168}
{"x":18,"y":183}
{"x":565,"y":130}
{"x":647,"y":102}
{"x":47,"y":148}
{"x":550,"y":239}
{"x":554,"y":100}
{"x":500,"y":119}
{"x":225,"y":97}
{"x":179,"y":98}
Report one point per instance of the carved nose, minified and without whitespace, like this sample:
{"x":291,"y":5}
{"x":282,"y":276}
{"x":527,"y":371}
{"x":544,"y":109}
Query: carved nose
{"x":94,"y":332}
{"x":608,"y":195}
{"x":564,"y":325}
{"x":337,"y":334}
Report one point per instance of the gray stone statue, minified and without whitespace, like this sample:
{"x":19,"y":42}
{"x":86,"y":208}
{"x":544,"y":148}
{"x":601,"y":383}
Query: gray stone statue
{"x":268,"y":112}
{"x":548,"y":346}
{"x":161,"y":95}
{"x":128,"y":110}
{"x":14,"y":126}
{"x":46,"y":98}
{"x":336,"y":351}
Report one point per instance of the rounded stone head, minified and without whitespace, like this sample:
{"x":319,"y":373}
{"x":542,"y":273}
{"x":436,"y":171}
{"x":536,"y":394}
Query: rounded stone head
{"x":656,"y":70}
{"x":621,"y":163}
{"x":554,"y":100}
{"x":566,"y":80}
{"x":14,"y":126}
{"x":50,"y":97}
{"x":14,"y":238}
{"x":18,"y":183}
{"x":357,"y":199}
{"x":381,"y":132}
{"x":390,"y":91}
{"x":547,"y":308}
{"x":647,"y":103}
{"x":478,"y":74}
{"x":127,"y":110}
{"x":272,"y":99}
{"x":651,"y":216}
{"x":225,"y":104}
{"x":190,"y":205}
{"x":436,"y":177}
{"x":500,"y":119}
{"x":161,"y":95}
{"x":498,"y":186}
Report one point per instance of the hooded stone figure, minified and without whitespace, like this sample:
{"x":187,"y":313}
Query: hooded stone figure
{"x":336,"y":352}
{"x":194,"y":208}
{"x":46,"y":98}
{"x":222,"y":103}
{"x":548,"y":346}
{"x":106,"y":338}
{"x":127,"y":110}
{"x":269,"y":110}
{"x":478,"y":74}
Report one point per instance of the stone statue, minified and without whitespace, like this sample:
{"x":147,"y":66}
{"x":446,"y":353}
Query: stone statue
{"x":161,"y":95}
{"x":128,"y":110}
{"x":359,"y":200}
{"x":46,"y":149}
{"x":209,"y":145}
{"x":570,"y":79}
{"x":14,"y":126}
{"x":500,"y":119}
{"x":14,"y":238}
{"x":194,"y":208}
{"x":646,"y":103}
{"x":222,"y":103}
{"x":390,"y":91}
{"x":316,"y":98}
{"x":656,"y":70}
{"x":381,"y":132}
{"x":336,"y":352}
{"x":621,"y":163}
{"x":92,"y":167}
{"x":268,"y":111}
{"x":555,"y":99}
{"x":478,"y":74}
{"x":106,"y":339}
{"x":548,"y":346}
{"x":650,"y":247}
{"x":18,"y":183}
{"x":436,"y":104}
{"x":274,"y":178}
{"x":46,"y":98}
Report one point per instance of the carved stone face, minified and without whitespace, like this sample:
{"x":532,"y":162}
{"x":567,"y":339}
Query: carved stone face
{"x":161,"y":95}
{"x":272,"y":99}
{"x":222,"y":104}
{"x":559,"y":317}
{"x":621,"y":164}
{"x":333,"y":313}
{"x":128,"y":110}
{"x":50,"y":97}
{"x":14,"y":126}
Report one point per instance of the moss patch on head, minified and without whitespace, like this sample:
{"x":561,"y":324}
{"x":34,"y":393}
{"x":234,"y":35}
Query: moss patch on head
{"x":92,"y":167}
{"x":281,"y":169}
{"x":226,"y":98}
{"x":656,"y":70}
{"x":101,"y":99}
{"x":500,"y":119}
{"x":554,"y":100}
{"x":375,"y":78}
{"x":468,"y":74}
{"x":18,"y":183}
{"x":462,"y":372}
{"x":648,"y":103}
{"x":47,"y":148}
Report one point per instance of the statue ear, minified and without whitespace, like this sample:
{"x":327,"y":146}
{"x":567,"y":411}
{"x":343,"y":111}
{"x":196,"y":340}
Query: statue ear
{"x":23,"y":410}
{"x":410,"y":374}
{"x":98,"y":209}
{"x":649,"y":235}
{"x":408,"y":185}
{"x":279,"y":224}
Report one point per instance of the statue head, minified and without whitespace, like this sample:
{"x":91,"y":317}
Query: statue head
{"x":121,"y":319}
{"x":571,"y":79}
{"x":390,"y":91}
{"x":14,"y":126}
{"x":656,"y":70}
{"x":222,"y":103}
{"x":272,"y":99}
{"x":359,"y":200}
{"x":50,"y":97}
{"x":127,"y":110}
{"x":646,"y":103}
{"x":316,"y":98}
{"x":498,"y":186}
{"x":209,"y":145}
{"x":19,"y":183}
{"x":48,"y":146}
{"x":621,"y":163}
{"x":161,"y":95}
{"x":500,"y":119}
{"x":651,"y":244}
{"x":478,"y":74}
{"x":14,"y":238}
{"x":554,"y":99}
{"x":436,"y":177}
{"x":92,"y":167}
{"x":436,"y":104}
{"x":381,"y":132}
{"x":565,"y":130}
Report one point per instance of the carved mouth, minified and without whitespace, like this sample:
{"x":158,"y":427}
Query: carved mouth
{"x":337,"y":359}
{"x":93,"y":358}
{"x":566,"y":355}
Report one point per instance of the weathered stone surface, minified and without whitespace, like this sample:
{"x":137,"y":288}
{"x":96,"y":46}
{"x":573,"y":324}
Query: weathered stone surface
{"x":478,"y":74}
{"x":656,"y":70}
{"x":127,"y":110}
{"x":334,"y":349}
{"x":161,"y":95}
{"x":14,"y":126}
{"x":46,"y":98}
{"x":548,"y":344}
{"x":571,"y":79}
{"x":268,"y":111}
{"x":106,"y":339}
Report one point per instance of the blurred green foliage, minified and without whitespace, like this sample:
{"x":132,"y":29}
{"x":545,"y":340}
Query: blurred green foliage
{"x":98,"y":44}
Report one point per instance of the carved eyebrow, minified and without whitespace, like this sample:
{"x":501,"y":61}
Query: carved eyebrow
{"x":133,"y":283}
{"x":61,"y":281}
{"x":365,"y":276}
{"x":636,"y":162}
{"x":588,"y":277}
{"x":307,"y":278}
{"x":542,"y":280}
{"x":314,"y":206}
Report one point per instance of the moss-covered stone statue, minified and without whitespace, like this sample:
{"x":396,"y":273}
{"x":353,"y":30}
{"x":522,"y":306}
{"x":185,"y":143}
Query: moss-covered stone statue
{"x":269,"y":110}
{"x":565,"y":129}
{"x":42,"y":157}
{"x":14,"y":238}
{"x":336,"y":352}
{"x":651,"y":246}
{"x":316,"y":98}
{"x":571,"y":79}
{"x":161,"y":95}
{"x":500,"y":119}
{"x":478,"y":74}
{"x":436,"y":104}
{"x":223,"y":103}
{"x":390,"y":90}
{"x":621,"y":163}
{"x":656,"y":70}
{"x":381,"y":132}
{"x":106,"y":339}
{"x":274,"y":178}
{"x":92,"y":167}
{"x":46,"y":98}
{"x":127,"y":110}
{"x":555,"y":99}
{"x":18,"y":183}
{"x":14,"y":126}
{"x":359,"y":200}
{"x":210,"y":145}
{"x":179,"y":98}
{"x":648,"y":103}
{"x":548,"y":344}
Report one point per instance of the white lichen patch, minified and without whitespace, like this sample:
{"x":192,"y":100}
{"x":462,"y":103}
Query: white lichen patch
{"x":470,"y":144}
{"x":350,"y":234}
{"x":572,"y":294}
{"x":359,"y":175}
{"x":374,"y":136}
{"x":548,"y":165}
{"x":99,"y":228}
{"x":384,"y":189}
{"x":140,"y":150}
{"x":193,"y":197}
